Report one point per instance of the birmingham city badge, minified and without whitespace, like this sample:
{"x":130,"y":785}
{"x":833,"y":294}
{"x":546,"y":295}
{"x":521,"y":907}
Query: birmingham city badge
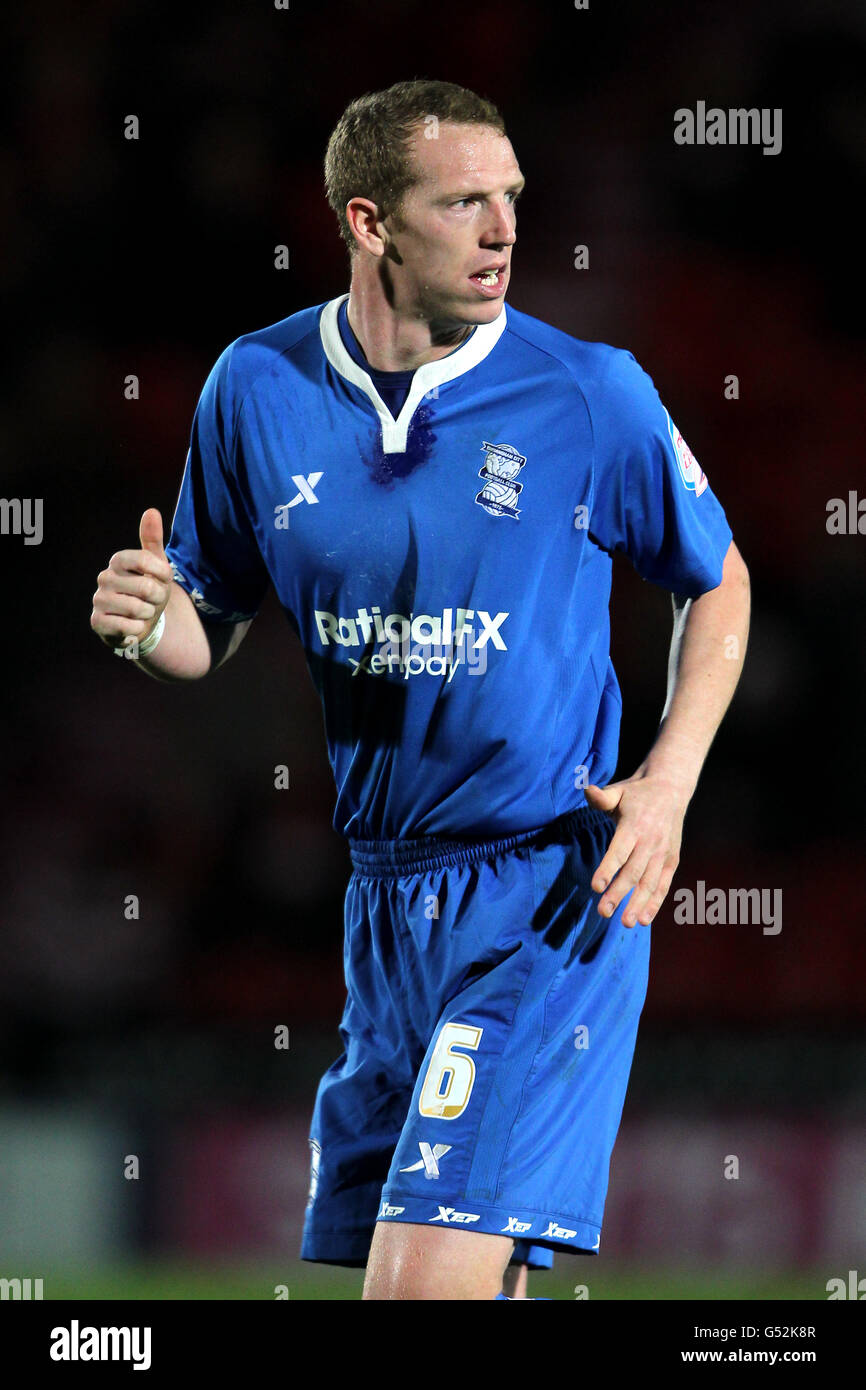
{"x":501,"y":490}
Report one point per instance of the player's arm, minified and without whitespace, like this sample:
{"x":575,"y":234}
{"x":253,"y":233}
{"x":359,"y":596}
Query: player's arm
{"x":707,"y":654}
{"x":132,"y":594}
{"x":709,"y":646}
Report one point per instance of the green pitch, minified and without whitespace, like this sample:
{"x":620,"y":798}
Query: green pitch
{"x":165,"y":1280}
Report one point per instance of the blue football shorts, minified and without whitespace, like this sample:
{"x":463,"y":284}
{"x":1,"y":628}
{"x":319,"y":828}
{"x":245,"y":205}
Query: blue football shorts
{"x":488,"y":1035}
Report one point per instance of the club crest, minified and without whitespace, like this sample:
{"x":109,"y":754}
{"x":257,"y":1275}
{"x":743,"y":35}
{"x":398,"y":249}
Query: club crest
{"x":501,"y":490}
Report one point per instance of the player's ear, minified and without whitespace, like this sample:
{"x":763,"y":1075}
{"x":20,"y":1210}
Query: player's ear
{"x":363,"y":219}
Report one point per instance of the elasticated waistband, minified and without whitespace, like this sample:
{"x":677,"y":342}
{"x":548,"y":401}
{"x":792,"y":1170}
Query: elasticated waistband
{"x":395,"y":858}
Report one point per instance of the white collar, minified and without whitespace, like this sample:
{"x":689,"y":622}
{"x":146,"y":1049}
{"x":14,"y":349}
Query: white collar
{"x":426,"y":377}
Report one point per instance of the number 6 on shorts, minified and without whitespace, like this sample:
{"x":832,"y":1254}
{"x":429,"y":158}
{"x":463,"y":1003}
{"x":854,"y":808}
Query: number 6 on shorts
{"x":447,"y":1104}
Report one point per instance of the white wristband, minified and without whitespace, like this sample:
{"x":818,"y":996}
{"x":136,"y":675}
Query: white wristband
{"x":136,"y":648}
{"x":152,"y":639}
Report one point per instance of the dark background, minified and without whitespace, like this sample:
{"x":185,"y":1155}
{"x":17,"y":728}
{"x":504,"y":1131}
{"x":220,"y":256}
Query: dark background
{"x":148,"y":257}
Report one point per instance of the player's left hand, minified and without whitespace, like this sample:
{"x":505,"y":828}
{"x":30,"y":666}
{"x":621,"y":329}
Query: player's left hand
{"x":645,"y":849}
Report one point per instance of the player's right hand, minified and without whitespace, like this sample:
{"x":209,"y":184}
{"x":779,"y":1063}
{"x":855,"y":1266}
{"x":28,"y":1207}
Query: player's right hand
{"x":135,"y":588}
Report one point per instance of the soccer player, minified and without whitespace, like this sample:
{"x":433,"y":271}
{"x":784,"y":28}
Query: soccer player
{"x":434,"y":483}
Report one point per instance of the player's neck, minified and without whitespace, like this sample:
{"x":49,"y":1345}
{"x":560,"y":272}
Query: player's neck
{"x":393,"y":341}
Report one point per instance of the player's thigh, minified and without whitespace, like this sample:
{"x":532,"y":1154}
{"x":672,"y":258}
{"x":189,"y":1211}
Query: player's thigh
{"x":409,"y":1261}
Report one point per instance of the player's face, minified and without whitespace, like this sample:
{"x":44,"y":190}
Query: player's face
{"x":451,"y":242}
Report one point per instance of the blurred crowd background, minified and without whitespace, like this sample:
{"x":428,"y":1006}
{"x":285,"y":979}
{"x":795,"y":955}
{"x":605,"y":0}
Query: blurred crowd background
{"x":154,"y":1035}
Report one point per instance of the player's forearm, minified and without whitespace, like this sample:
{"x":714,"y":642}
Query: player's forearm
{"x":183,"y":653}
{"x":706,"y":663}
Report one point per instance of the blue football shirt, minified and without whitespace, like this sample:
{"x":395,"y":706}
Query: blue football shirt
{"x":448,"y":571}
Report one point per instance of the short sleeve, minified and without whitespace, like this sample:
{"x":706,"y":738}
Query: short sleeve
{"x":213,"y":549}
{"x":651,"y":499}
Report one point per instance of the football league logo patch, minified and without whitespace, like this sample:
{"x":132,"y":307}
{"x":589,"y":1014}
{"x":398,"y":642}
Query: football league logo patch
{"x":501,"y":490}
{"x":693,"y":476}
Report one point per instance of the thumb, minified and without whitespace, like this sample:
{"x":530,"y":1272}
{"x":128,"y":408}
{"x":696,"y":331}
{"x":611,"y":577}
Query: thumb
{"x":603,"y":798}
{"x":150,"y":533}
